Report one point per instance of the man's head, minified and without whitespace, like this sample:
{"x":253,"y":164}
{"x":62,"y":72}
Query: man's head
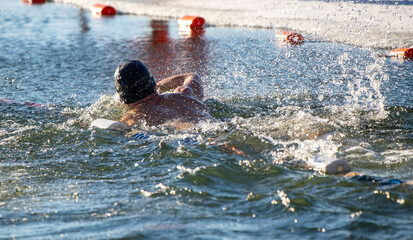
{"x":133,"y":81}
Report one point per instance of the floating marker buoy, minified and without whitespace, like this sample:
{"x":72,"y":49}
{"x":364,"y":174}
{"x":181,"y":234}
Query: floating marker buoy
{"x":108,"y":124}
{"x":191,"y":32}
{"x":402,"y":53}
{"x":329,"y":165}
{"x":191,"y":21}
{"x":34,"y":1}
{"x":338,"y":166}
{"x":100,"y":9}
{"x":29,"y":104}
{"x":290,"y":37}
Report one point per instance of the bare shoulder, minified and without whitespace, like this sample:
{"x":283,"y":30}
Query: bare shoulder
{"x":130,"y":118}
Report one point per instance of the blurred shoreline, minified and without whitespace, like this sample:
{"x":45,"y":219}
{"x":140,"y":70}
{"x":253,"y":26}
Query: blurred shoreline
{"x":381,"y":26}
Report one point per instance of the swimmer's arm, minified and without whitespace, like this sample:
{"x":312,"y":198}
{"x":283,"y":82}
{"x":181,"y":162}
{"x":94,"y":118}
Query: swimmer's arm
{"x":180,"y":83}
{"x":130,"y":119}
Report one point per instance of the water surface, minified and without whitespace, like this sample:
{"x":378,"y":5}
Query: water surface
{"x":280,"y":105}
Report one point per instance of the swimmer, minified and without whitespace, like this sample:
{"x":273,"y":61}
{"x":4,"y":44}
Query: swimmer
{"x":175,"y":100}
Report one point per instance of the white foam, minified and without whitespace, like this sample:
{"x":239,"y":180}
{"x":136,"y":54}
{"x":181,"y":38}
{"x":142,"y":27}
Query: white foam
{"x":397,"y":156}
{"x":368,"y":25}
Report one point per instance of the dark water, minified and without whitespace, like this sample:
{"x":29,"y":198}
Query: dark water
{"x":280,"y":105}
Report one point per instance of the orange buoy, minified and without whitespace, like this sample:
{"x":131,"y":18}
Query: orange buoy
{"x":290,"y":37}
{"x":191,"y":32}
{"x":402,"y":53}
{"x":191,"y":21}
{"x":34,"y":1}
{"x":100,"y":9}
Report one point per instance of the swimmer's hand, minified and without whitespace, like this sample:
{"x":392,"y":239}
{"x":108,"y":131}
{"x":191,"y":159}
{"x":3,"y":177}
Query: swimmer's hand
{"x":184,"y":90}
{"x":178,"y":83}
{"x":108,"y":124}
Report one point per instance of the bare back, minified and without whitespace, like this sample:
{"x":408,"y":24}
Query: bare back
{"x":182,"y":106}
{"x":171,"y":107}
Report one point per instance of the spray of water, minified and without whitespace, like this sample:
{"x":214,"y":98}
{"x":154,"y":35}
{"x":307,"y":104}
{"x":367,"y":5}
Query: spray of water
{"x":107,"y":106}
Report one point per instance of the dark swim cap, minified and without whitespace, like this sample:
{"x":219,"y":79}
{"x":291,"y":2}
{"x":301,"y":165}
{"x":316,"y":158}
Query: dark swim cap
{"x":133,"y":81}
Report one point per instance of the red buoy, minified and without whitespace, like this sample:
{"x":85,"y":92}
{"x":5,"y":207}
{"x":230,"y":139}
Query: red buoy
{"x":290,"y":37}
{"x":34,"y":1}
{"x":29,"y":104}
{"x":191,"y":21}
{"x":191,"y":32}
{"x":402,"y":53}
{"x":100,"y":9}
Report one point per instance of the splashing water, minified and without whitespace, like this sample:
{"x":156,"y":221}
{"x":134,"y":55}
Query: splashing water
{"x":365,"y":100}
{"x":241,"y":176}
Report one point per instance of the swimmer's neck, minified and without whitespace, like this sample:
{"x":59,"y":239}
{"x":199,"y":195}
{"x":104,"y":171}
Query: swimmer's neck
{"x":144,"y":101}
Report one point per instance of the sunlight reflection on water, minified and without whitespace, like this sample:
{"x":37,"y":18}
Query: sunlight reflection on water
{"x":280,"y":105}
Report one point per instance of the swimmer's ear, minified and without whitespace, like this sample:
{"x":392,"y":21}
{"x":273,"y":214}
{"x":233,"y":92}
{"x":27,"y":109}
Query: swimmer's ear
{"x":108,"y":124}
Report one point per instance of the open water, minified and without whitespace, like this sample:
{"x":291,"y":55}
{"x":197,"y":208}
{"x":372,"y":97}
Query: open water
{"x":280,"y":105}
